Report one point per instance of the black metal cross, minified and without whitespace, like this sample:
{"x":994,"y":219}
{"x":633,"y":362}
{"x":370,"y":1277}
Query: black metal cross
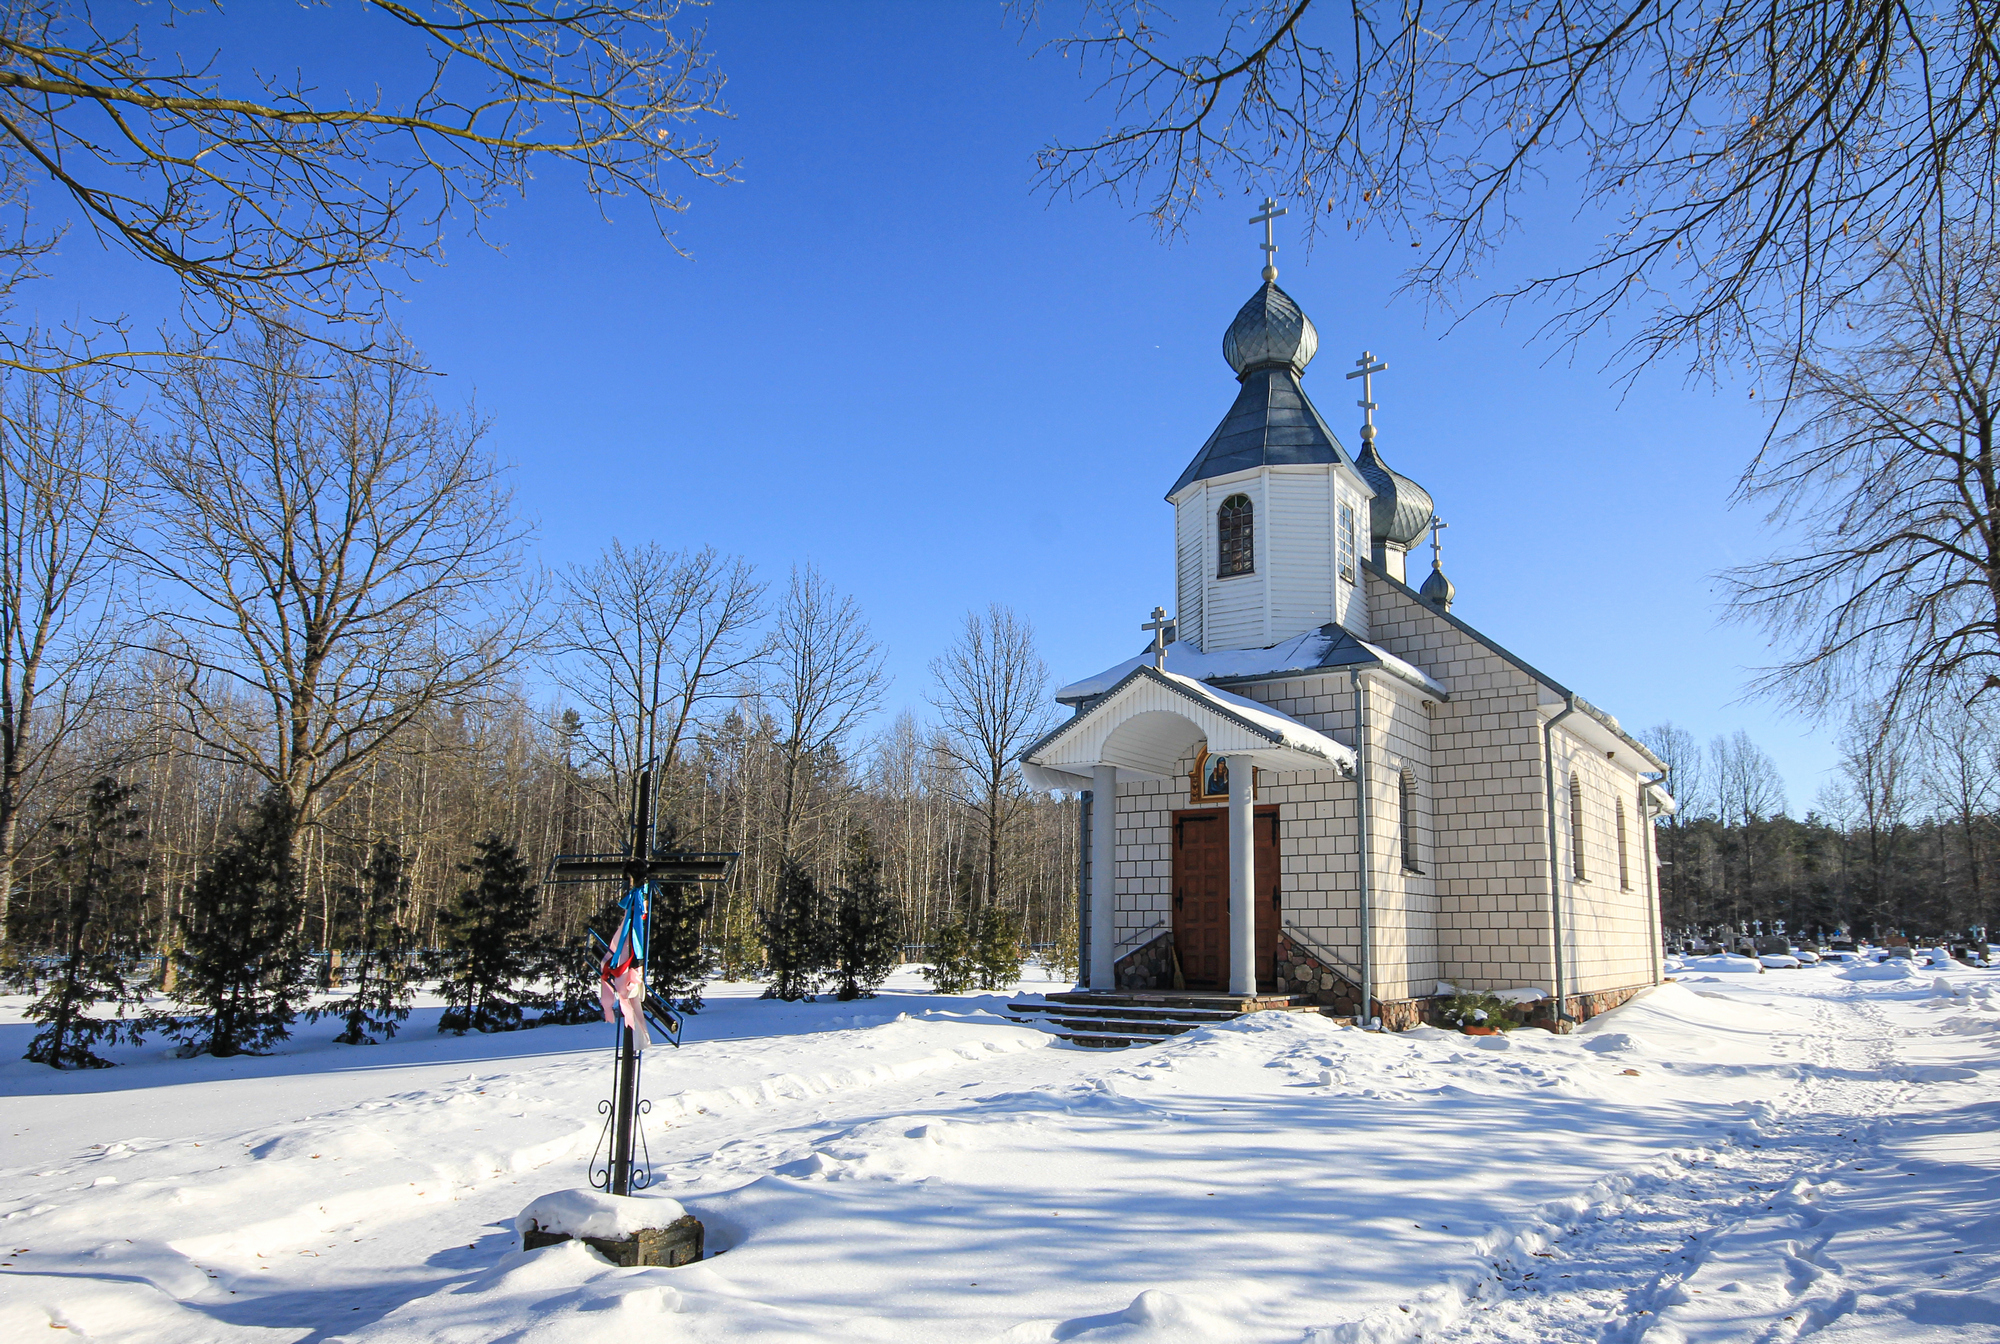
{"x":639,"y":865}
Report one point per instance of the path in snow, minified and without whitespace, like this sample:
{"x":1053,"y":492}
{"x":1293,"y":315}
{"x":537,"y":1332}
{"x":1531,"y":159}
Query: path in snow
{"x":1696,"y":1167}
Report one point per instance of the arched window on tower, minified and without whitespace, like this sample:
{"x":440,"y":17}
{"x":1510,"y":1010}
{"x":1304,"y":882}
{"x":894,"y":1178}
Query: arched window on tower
{"x":1576,"y":825}
{"x":1235,"y":537}
{"x":1406,"y":791}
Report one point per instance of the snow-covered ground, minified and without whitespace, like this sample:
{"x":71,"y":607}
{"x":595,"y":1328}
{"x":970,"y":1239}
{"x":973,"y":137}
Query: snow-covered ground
{"x":1757,"y":1157}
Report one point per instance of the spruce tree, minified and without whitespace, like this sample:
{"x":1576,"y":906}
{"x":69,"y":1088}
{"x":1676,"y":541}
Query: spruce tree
{"x":797,"y":934}
{"x":379,"y":968}
{"x":997,"y":947}
{"x":954,"y":958}
{"x":572,"y":968}
{"x":241,"y":967}
{"x":95,"y":873}
{"x":677,"y":964}
{"x":487,"y":954}
{"x":867,"y":945}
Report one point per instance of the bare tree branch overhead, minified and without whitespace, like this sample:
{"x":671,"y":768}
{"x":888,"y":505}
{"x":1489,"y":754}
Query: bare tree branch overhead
{"x":269,"y":193}
{"x":1746,"y":166}
{"x":1890,"y":489}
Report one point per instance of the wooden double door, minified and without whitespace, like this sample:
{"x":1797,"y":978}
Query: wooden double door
{"x":1201,"y":896}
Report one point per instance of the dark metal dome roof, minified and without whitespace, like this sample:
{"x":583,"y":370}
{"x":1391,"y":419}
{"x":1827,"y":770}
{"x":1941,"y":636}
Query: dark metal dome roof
{"x":1401,"y":509}
{"x":1438,"y":590}
{"x":1270,"y":329}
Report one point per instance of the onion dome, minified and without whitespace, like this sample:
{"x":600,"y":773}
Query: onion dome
{"x":1401,"y":509}
{"x":1437,"y":589}
{"x":1273,"y":422}
{"x":1269,"y":331}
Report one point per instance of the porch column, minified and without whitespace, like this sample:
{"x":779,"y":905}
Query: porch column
{"x":1103,"y":874}
{"x":1242,"y":880}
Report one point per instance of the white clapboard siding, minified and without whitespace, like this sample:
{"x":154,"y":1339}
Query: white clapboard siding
{"x":1189,"y":553}
{"x":1301,"y":552}
{"x":1232,"y":609}
{"x":1351,"y":599}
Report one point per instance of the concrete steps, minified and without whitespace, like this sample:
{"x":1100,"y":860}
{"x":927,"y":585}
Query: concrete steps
{"x":1108,"y":1021}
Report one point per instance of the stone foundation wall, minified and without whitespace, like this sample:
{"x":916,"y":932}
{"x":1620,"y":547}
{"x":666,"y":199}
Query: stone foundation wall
{"x":1583,"y":1007}
{"x":1300,"y":972}
{"x":1147,"y":966}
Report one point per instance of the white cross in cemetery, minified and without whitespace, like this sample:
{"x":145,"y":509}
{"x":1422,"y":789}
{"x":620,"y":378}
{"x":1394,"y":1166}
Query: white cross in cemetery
{"x":1159,"y":625}
{"x":1271,"y":211}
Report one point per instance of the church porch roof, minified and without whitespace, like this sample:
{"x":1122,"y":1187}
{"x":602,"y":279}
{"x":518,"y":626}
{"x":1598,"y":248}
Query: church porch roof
{"x":1149,"y":719}
{"x":1327,"y":649}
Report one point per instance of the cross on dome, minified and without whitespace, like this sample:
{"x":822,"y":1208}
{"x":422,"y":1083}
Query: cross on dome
{"x":1159,"y":625}
{"x":1270,"y":244}
{"x":1366,"y":368}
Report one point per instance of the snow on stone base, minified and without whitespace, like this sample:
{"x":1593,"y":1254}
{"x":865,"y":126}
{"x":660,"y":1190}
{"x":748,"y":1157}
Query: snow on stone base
{"x":592,"y":1213}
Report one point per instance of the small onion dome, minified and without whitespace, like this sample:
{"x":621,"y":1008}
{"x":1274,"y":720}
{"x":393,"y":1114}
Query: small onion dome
{"x":1401,"y":510}
{"x":1269,"y":330}
{"x":1437,"y":589}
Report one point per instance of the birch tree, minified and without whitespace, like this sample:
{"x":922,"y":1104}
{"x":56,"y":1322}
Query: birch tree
{"x":825,"y":679}
{"x":991,"y":693}
{"x":64,"y":489}
{"x":646,"y":641}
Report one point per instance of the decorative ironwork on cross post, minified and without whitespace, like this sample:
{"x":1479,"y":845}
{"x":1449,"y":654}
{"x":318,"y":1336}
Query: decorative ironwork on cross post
{"x":622,"y":974}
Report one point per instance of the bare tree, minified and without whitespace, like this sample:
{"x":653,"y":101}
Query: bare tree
{"x":63,"y":491}
{"x":1875,"y":766}
{"x":991,"y":696}
{"x":1687,"y":781}
{"x":1961,"y":776}
{"x":646,"y":638}
{"x":826,"y":678}
{"x":337,"y":558}
{"x":1891,"y":485}
{"x":260,"y":193}
{"x":1747,"y":165}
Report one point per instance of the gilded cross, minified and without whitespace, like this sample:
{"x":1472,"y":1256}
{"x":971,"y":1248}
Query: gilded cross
{"x":1271,"y":211}
{"x":1365,"y":369}
{"x":1159,"y":625}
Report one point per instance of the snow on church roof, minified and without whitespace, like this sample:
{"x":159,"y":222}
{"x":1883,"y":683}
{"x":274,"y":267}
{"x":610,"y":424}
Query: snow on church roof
{"x":1147,"y":719}
{"x":1316,"y":650}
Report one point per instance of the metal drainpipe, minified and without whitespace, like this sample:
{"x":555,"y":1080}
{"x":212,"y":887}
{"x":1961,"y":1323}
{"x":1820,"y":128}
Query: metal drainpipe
{"x":1365,"y":850}
{"x":1656,"y":937}
{"x":1555,"y":853}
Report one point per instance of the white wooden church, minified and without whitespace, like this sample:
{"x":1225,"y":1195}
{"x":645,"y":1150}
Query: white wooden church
{"x":1322,"y":780}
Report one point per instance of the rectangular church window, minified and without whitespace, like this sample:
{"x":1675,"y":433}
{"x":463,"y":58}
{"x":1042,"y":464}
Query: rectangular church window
{"x":1345,"y":539}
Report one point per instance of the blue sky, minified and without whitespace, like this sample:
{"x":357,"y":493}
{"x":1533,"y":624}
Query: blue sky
{"x":890,"y":356}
